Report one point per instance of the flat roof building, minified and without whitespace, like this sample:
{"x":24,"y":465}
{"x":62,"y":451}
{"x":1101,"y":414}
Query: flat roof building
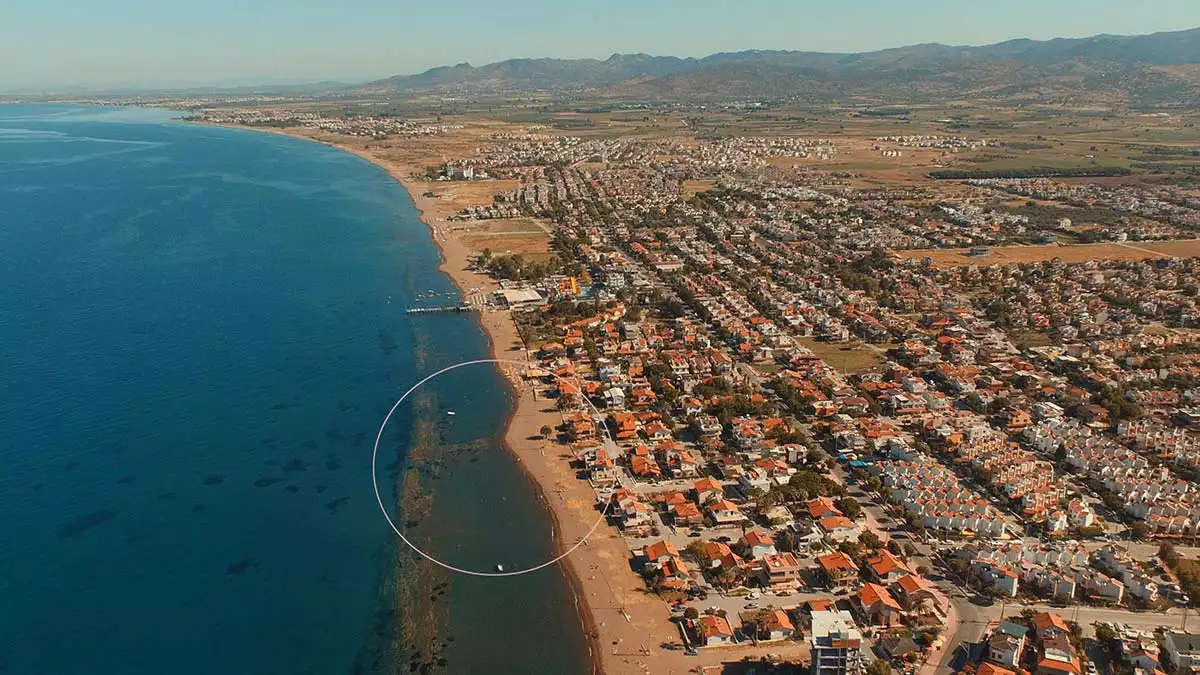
{"x":836,"y":644}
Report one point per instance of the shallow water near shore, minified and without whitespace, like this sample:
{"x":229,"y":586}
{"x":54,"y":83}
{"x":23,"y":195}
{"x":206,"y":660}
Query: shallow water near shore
{"x":200,"y":331}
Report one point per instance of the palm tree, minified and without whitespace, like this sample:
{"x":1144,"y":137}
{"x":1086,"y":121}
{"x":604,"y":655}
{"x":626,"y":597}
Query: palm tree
{"x":726,"y":577}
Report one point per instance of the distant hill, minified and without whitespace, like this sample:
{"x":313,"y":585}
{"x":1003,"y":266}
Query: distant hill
{"x":1162,"y":69}
{"x":538,"y":73}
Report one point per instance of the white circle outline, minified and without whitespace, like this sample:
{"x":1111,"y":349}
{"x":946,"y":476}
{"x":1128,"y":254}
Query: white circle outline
{"x":379,"y":498}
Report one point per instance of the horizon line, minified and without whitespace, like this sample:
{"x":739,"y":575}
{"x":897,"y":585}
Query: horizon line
{"x":267,"y":81}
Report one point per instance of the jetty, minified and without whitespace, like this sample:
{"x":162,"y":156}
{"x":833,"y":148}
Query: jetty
{"x":442,"y":308}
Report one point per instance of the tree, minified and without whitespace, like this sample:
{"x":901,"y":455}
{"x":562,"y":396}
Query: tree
{"x":879,"y":667}
{"x":870,"y":540}
{"x":727,"y":577}
{"x":546,"y":431}
{"x":691,"y":613}
{"x":1166,"y":551}
{"x":1138,"y":531}
{"x":851,"y":549}
{"x":1076,"y":634}
{"x":850,"y":507}
{"x":785,"y":541}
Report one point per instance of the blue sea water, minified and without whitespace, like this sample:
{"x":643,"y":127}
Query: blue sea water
{"x":200,"y":329}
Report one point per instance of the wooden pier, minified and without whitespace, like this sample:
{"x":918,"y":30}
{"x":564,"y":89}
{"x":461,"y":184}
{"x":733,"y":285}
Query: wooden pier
{"x":442,"y":308}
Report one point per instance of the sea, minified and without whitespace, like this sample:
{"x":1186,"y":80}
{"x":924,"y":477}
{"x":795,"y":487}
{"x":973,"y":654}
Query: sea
{"x":201,"y":330}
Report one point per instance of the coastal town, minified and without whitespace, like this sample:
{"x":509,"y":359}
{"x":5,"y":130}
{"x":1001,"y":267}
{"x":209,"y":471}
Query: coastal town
{"x":656,"y":338}
{"x":922,"y":426}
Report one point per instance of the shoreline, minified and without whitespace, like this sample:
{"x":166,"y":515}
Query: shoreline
{"x":497,"y":327}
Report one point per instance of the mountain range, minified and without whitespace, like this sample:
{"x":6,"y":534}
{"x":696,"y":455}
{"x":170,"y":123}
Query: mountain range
{"x":1143,"y":71}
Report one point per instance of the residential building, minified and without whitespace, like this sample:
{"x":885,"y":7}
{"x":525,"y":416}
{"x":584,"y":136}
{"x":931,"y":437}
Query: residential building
{"x":726,"y":514}
{"x":759,"y":543}
{"x":836,"y":644}
{"x":715,"y":631}
{"x":1006,"y":643}
{"x":781,"y":572}
{"x":885,"y":568}
{"x":877,"y":605}
{"x":919,"y":597}
{"x":1182,"y":650}
{"x":839,"y":570}
{"x":776,"y":625}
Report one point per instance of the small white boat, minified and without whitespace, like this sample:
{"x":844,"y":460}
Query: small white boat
{"x":499,"y":568}
{"x":451,"y":412}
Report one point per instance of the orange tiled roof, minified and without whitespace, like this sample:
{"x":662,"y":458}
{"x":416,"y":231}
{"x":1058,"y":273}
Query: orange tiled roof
{"x":872,"y":594}
{"x":778,"y":620}
{"x":758,"y":538}
{"x":661,"y":549}
{"x":831,"y":523}
{"x":1060,"y":666}
{"x":912,"y":583}
{"x":1047,"y":620}
{"x":713,"y":626}
{"x":886,"y":563}
{"x":836,"y":562}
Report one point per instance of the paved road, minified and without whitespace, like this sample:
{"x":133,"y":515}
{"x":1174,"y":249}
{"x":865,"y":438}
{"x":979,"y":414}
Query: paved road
{"x":968,"y":621}
{"x":968,"y":629}
{"x":974,"y":619}
{"x":1158,"y":254}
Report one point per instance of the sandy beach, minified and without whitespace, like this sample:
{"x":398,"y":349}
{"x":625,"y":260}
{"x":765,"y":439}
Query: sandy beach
{"x":629,"y":630}
{"x":625,"y":625}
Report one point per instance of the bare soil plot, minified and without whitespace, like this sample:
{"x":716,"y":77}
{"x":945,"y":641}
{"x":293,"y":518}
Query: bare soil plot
{"x":846,"y":357}
{"x":532,"y":245}
{"x":502,"y":226}
{"x":449,"y":197}
{"x":692,"y":187}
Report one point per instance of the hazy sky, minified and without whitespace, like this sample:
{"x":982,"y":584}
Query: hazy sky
{"x":160,"y":42}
